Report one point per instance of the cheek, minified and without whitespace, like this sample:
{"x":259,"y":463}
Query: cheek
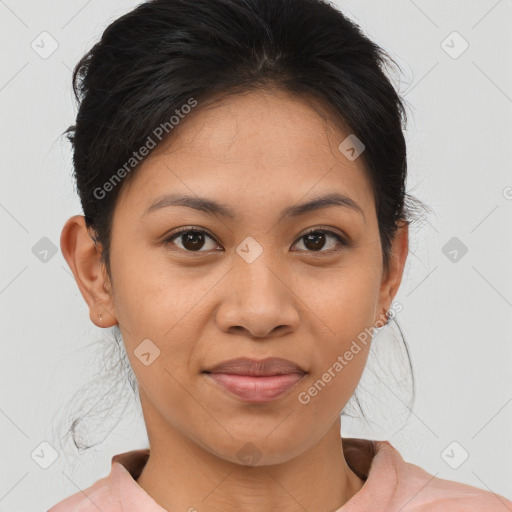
{"x":344,"y":301}
{"x":156,"y":304}
{"x":345,"y":309}
{"x":341,"y":355}
{"x":154,"y":297}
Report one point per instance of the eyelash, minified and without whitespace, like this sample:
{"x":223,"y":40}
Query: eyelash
{"x":191,"y":229}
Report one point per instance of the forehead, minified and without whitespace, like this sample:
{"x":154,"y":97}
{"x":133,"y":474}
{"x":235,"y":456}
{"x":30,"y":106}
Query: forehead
{"x":248,"y":147}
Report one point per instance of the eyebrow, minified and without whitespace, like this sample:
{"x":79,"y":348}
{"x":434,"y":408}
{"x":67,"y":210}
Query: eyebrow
{"x":211,"y":206}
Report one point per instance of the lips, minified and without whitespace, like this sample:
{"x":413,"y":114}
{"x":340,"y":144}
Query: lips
{"x":256,"y":381}
{"x":253,"y":367}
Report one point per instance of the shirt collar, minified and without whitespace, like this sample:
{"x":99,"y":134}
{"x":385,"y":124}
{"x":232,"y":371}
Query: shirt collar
{"x":365,"y":457}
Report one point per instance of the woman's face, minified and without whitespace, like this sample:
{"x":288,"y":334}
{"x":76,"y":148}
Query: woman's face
{"x":255,"y":285}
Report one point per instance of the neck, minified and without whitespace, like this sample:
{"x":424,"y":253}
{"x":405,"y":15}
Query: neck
{"x":182,"y":475}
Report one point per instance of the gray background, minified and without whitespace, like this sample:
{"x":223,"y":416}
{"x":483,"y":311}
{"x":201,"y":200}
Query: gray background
{"x":457,"y":315}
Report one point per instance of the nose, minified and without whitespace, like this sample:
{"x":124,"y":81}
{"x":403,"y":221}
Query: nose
{"x":258,"y":301}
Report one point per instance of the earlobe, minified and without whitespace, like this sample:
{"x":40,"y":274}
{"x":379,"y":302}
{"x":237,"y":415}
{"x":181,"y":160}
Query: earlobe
{"x":84,"y":259}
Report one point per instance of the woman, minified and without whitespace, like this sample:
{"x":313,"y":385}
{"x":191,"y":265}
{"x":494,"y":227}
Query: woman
{"x":242,"y":167}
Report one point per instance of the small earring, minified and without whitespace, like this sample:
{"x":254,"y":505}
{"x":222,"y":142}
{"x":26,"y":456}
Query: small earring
{"x":389,"y":316}
{"x":100,"y":316}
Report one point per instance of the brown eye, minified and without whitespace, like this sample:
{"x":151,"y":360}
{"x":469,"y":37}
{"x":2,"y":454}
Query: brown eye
{"x":191,"y":240}
{"x":315,"y":240}
{"x":195,"y":240}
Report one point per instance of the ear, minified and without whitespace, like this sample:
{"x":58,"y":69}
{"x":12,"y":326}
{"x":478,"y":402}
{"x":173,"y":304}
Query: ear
{"x":84,"y":260}
{"x":393,"y":277}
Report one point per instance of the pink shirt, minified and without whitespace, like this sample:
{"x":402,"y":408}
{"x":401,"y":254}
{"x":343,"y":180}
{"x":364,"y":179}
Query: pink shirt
{"x":391,"y":485}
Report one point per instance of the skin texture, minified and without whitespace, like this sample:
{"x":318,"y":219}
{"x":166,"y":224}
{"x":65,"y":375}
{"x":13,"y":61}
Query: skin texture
{"x":258,"y":152}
